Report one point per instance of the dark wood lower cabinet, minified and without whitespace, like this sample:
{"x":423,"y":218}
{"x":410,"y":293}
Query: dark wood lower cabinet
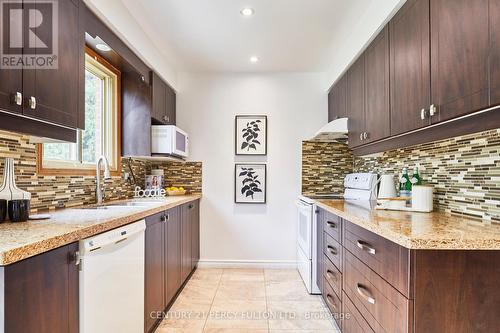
{"x":441,"y":290}
{"x":154,"y":276}
{"x":41,"y":293}
{"x":168,"y":260}
{"x":173,"y":254}
{"x":186,"y":222}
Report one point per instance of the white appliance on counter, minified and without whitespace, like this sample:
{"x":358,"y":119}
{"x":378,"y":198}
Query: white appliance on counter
{"x":169,"y":140}
{"x":360,"y":188}
{"x":112,"y":281}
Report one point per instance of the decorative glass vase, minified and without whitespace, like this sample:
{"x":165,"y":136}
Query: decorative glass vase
{"x":9,"y":190}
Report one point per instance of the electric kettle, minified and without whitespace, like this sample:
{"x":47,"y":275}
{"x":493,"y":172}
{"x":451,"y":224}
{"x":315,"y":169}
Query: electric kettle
{"x":387,"y":187}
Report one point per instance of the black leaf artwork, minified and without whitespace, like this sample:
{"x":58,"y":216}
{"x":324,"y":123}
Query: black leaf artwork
{"x":250,"y":135}
{"x":250,"y":177}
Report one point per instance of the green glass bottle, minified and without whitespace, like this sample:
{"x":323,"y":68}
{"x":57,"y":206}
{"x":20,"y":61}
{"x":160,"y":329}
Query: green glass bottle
{"x":416,"y":179}
{"x":404,"y":184}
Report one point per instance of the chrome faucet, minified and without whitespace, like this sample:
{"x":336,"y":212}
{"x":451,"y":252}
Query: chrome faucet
{"x":99,"y":192}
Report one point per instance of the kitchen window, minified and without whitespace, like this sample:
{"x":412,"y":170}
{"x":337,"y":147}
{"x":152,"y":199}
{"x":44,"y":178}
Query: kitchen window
{"x":101,"y":134}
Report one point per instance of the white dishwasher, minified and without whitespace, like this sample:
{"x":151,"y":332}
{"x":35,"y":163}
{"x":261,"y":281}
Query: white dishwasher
{"x":112,"y":281}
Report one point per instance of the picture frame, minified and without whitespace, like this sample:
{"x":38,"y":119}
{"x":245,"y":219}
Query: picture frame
{"x":250,"y":135}
{"x":250,"y":183}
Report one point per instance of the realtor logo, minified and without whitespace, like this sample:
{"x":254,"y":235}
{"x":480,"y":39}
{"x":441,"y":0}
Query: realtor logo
{"x":29,"y":34}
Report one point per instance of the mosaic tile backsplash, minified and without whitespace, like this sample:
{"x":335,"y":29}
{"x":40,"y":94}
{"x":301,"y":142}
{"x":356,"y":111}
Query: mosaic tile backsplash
{"x":465,"y":172}
{"x":324,"y":166}
{"x":49,"y":192}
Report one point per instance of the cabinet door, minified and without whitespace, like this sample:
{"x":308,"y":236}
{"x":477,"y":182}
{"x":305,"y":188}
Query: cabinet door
{"x":337,"y":99}
{"x":410,"y":66}
{"x":136,"y":115}
{"x":159,"y":98}
{"x":186,"y":240}
{"x":41,"y":293}
{"x":495,"y":51}
{"x":356,"y":101}
{"x":170,"y":113}
{"x":56,"y":90}
{"x":459,"y":57}
{"x":154,"y":270}
{"x":377,"y":112}
{"x":11,"y":80}
{"x":195,"y":234}
{"x":173,"y":254}
{"x":319,"y":250}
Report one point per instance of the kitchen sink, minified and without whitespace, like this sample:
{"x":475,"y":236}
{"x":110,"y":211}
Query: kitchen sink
{"x":121,"y":205}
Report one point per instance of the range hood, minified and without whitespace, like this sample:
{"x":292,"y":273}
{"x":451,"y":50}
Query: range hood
{"x":335,"y":129}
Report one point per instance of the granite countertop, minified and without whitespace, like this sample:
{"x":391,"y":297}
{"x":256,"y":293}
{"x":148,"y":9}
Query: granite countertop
{"x":22,"y":240}
{"x":425,"y":231}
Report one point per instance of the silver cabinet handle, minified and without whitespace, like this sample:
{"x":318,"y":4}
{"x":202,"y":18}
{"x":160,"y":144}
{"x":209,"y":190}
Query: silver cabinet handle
{"x":18,"y":98}
{"x":332,"y":250}
{"x":331,"y":224}
{"x":329,"y":298}
{"x":365,"y":294}
{"x":166,"y":118}
{"x":433,"y":110}
{"x":331,"y":274}
{"x":365,"y":135}
{"x":361,"y":136}
{"x":365,"y":247}
{"x":422,"y":114}
{"x":32,"y":102}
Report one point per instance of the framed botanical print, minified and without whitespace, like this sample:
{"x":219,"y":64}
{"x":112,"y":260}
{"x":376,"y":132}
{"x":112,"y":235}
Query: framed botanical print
{"x":250,"y":183}
{"x":251,"y":135}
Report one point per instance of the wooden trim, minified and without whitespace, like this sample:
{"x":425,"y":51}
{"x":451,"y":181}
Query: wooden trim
{"x":477,"y":122}
{"x":44,"y":171}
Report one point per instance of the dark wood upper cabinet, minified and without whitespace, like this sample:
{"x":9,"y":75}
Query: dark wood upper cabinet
{"x":52,"y":94}
{"x":11,"y":90}
{"x":154,"y":269}
{"x":136,"y":115}
{"x":377,"y":111}
{"x":410,"y":67}
{"x":163,"y":101}
{"x":459,"y":57}
{"x":337,"y":99}
{"x":173,"y":254}
{"x":495,"y":52}
{"x":356,"y":101}
{"x":41,"y":293}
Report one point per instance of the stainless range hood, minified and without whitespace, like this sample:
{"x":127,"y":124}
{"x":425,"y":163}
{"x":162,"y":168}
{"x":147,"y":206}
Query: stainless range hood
{"x":334,"y":130}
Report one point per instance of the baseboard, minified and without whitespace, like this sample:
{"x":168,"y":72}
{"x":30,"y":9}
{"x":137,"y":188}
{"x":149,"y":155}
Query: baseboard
{"x":269,"y":264}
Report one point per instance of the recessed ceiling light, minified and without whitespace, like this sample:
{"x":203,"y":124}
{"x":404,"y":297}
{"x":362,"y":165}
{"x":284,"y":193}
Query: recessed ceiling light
{"x":103,"y":47}
{"x":247,"y":11}
{"x":254,"y":59}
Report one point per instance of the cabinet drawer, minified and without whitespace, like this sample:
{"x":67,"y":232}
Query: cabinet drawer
{"x":386,"y":258}
{"x":332,"y":301}
{"x":333,"y":250}
{"x":353,"y":321}
{"x":332,"y":275}
{"x":331,"y":224}
{"x":383,"y":307}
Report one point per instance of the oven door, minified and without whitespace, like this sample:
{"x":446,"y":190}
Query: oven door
{"x":304,"y":228}
{"x":180,"y":143}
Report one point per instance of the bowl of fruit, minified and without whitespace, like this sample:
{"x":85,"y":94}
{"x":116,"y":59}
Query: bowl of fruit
{"x":172,"y":190}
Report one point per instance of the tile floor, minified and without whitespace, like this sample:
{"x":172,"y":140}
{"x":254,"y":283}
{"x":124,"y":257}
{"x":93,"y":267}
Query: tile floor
{"x":246,"y":301}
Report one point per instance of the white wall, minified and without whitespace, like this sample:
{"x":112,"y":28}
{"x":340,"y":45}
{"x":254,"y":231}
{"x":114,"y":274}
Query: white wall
{"x":117,"y":17}
{"x":296,"y":107}
{"x":373,"y":19}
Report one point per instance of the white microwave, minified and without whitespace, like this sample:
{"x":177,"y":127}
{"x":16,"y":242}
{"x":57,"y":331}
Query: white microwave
{"x":169,"y":140}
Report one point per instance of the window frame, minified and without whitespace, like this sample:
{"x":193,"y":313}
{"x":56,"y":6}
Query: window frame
{"x":79,"y":169}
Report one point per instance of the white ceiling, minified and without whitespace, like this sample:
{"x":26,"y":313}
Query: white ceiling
{"x":212,"y":35}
